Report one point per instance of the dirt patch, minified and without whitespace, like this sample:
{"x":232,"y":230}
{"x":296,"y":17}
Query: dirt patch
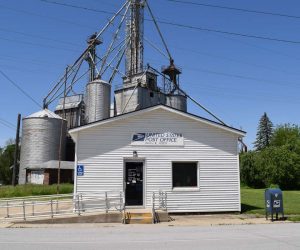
{"x":218,"y":219}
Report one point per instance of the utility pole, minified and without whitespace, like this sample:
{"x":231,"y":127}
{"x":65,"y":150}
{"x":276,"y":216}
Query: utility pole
{"x":13,"y":181}
{"x":61,"y":131}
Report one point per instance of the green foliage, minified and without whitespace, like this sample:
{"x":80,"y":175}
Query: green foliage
{"x":264,"y":132}
{"x":274,"y":186}
{"x":6,"y":161}
{"x":33,"y":190}
{"x":277,"y":164}
{"x":287,"y":135}
{"x":253,"y":201}
{"x":250,"y":170}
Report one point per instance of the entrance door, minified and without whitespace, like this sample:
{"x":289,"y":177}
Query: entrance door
{"x":134,"y":183}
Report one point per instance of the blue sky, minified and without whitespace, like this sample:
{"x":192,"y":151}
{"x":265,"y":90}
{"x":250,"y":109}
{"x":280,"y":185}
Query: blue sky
{"x":237,"y":78}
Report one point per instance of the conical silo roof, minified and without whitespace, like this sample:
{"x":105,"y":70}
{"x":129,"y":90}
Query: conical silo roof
{"x":45,"y":113}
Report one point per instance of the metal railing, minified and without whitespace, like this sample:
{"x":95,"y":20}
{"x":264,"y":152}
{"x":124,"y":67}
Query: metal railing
{"x":31,"y":208}
{"x":162,"y":200}
{"x":159,"y":202}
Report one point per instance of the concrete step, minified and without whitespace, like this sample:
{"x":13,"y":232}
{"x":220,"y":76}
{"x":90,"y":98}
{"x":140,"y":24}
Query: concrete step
{"x":140,"y":215}
{"x":139,"y":221}
{"x":161,"y":216}
{"x":138,"y":218}
{"x":138,"y":210}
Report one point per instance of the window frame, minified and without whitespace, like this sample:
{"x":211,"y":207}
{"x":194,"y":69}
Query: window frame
{"x":195,"y":188}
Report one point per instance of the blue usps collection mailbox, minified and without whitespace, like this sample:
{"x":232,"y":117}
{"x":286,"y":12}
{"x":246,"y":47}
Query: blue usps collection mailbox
{"x":273,"y":202}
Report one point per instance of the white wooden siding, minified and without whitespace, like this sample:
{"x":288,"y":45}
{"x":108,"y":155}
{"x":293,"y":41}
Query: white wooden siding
{"x":103,"y":149}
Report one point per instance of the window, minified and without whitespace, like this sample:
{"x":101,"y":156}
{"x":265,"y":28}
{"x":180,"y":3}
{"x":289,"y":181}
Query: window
{"x":151,"y":83}
{"x":185,"y":174}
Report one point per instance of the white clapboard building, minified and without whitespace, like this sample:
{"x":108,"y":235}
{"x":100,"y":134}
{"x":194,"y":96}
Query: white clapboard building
{"x":193,"y":159}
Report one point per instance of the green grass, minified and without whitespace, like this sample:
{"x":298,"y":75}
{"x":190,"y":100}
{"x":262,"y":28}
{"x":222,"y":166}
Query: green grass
{"x":33,"y":190}
{"x":253,"y":201}
{"x":294,"y":218}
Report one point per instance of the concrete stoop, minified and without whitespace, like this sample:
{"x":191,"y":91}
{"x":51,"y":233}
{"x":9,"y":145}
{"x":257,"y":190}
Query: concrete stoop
{"x":144,"y":217}
{"x":138,"y":218}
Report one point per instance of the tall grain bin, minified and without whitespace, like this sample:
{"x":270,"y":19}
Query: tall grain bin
{"x":41,"y":135}
{"x":97,"y":101}
{"x":177,"y":102}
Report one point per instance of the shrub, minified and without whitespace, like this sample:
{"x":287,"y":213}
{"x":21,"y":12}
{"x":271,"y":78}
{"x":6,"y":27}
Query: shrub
{"x":251,"y":174}
{"x":277,"y":164}
{"x":271,"y":166}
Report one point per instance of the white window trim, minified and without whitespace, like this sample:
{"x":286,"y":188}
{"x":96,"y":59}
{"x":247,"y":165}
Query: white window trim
{"x":186,"y":189}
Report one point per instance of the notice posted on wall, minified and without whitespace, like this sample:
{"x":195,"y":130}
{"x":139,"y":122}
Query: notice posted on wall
{"x":167,"y":139}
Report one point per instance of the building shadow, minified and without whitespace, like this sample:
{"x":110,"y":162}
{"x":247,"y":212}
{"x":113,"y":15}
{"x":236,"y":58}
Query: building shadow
{"x":248,"y":208}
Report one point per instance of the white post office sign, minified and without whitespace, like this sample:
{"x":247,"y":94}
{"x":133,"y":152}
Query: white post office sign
{"x":167,"y":139}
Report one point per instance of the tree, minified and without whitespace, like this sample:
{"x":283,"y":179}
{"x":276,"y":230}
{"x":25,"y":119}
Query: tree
{"x":264,"y":133}
{"x":251,"y":173}
{"x":278,"y":163}
{"x":6,"y":161}
{"x":287,"y":135}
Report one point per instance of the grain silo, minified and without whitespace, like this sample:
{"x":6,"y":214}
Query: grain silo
{"x":177,"y":101}
{"x":97,"y":101}
{"x":159,"y":156}
{"x":41,"y":140}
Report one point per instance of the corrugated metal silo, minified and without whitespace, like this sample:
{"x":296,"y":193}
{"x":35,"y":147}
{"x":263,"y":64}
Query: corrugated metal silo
{"x":177,"y":102}
{"x":41,"y":140}
{"x":97,"y":101}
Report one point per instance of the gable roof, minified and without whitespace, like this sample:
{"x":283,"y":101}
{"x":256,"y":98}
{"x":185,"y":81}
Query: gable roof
{"x":156,"y":107}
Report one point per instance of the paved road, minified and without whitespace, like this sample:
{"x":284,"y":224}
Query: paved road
{"x":276,"y":236}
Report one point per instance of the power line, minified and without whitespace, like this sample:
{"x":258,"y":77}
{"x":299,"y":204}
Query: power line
{"x":78,"y":24}
{"x":32,"y":61}
{"x":198,"y":28}
{"x":229,"y":32}
{"x":46,"y":17}
{"x":26,"y":69}
{"x":236,"y":92}
{"x":259,"y":97}
{"x":267,"y":49}
{"x":19,"y":88}
{"x":39,"y":37}
{"x":36,"y":44}
{"x":235,"y":9}
{"x":233,"y":92}
{"x":243,"y":77}
{"x":4,"y":124}
{"x":219,"y":73}
{"x":260,"y":66}
{"x":78,"y":7}
{"x":182,"y":49}
{"x":250,"y":78}
{"x":7,"y":124}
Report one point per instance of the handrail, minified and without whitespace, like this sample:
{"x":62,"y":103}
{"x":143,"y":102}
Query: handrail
{"x":159,"y":204}
{"x":58,"y":205}
{"x":34,"y":197}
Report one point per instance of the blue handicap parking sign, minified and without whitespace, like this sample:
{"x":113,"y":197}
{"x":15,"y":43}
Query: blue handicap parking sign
{"x":80,"y":170}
